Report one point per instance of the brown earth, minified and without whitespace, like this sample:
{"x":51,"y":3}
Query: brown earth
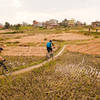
{"x":40,"y":37}
{"x":38,"y":50}
{"x":70,"y":36}
{"x":90,"y":47}
{"x":6,"y":30}
{"x":24,"y":51}
{"x":8,"y":37}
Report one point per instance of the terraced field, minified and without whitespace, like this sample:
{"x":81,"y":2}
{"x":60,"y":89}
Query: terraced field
{"x":90,"y":47}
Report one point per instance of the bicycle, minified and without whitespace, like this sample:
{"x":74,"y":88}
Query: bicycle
{"x":50,"y":54}
{"x":5,"y":70}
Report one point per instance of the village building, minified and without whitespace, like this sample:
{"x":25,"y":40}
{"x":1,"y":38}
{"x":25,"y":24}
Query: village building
{"x":80,"y":24}
{"x":24,"y":24}
{"x":96,"y":24}
{"x":68,"y":23}
{"x":37,"y":24}
{"x":71,"y":22}
{"x":64,"y":23}
{"x":53,"y":23}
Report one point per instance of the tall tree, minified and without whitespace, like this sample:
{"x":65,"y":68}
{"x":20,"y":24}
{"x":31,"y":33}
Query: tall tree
{"x":7,"y":25}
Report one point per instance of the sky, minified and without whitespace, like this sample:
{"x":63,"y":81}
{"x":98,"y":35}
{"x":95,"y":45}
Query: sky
{"x":18,"y":11}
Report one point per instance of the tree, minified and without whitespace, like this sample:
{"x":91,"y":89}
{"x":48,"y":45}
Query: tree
{"x":85,"y":24}
{"x":64,"y":23}
{"x":7,"y":25}
{"x":17,"y":26}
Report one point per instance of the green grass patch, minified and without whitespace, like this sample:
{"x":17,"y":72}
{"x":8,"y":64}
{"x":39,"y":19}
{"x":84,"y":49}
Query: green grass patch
{"x":14,"y":32}
{"x":89,"y":33}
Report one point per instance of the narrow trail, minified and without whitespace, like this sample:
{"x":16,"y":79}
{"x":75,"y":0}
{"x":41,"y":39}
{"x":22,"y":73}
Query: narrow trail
{"x":35,"y":66}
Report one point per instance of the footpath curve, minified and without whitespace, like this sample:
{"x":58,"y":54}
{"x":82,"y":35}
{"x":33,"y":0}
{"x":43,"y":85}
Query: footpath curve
{"x":35,"y":66}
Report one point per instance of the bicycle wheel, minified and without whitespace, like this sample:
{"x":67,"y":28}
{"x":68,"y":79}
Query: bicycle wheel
{"x":10,"y":70}
{"x":7,"y":72}
{"x":51,"y":55}
{"x":4,"y":72}
{"x":47,"y":56}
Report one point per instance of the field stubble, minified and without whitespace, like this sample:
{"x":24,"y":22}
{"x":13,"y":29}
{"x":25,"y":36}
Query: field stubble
{"x":64,"y":78}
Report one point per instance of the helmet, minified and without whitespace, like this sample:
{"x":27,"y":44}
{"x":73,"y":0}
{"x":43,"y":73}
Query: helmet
{"x":50,"y":41}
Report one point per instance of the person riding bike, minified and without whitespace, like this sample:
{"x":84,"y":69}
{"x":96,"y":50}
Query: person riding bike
{"x":2,"y":60}
{"x":49,"y":47}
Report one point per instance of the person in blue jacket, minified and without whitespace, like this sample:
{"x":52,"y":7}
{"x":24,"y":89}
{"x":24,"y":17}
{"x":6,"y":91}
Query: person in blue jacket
{"x":49,"y":46}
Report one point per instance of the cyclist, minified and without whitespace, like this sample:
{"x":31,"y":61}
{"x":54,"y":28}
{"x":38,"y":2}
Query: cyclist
{"x":2,"y":60}
{"x":49,"y":47}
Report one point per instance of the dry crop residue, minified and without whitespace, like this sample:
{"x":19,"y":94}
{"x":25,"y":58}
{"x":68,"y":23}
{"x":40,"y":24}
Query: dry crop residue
{"x":91,"y":47}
